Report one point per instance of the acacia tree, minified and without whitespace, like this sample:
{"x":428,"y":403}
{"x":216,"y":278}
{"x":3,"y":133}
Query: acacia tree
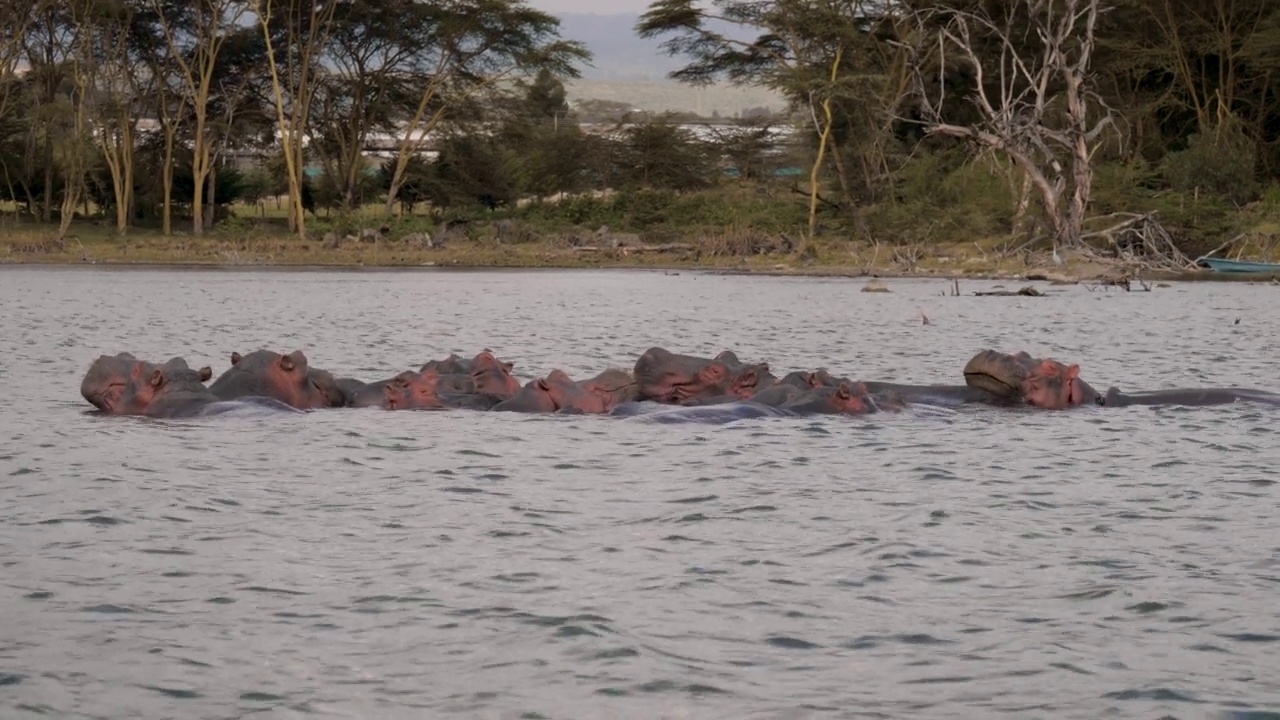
{"x":824,"y":56}
{"x":470,"y":47}
{"x":161,"y":92}
{"x":71,"y":122}
{"x":19,"y":16}
{"x":114,"y":102}
{"x":372,"y":47}
{"x":295,"y":31}
{"x":1016,"y":92}
{"x":195,"y":33}
{"x":50,"y":43}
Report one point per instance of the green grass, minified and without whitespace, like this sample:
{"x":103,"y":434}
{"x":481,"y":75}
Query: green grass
{"x":951,"y":219}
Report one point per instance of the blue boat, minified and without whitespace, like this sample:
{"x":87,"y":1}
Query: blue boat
{"x":1238,"y":266}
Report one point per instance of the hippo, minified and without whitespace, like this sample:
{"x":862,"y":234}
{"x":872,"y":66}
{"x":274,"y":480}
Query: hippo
{"x":452,"y":365}
{"x":779,"y":394}
{"x":1191,"y":397}
{"x":843,"y":399}
{"x":1053,"y":385}
{"x":493,"y":376}
{"x":558,"y":393}
{"x":670,"y":378}
{"x":1020,"y":378}
{"x":423,"y":390}
{"x":373,"y":394}
{"x":892,"y":394}
{"x":745,"y":378}
{"x":479,"y":383}
{"x":124,"y":385}
{"x":350,"y":388}
{"x":287,"y":378}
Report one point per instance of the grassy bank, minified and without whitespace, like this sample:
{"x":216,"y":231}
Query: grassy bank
{"x":263,"y":247}
{"x":962,"y":229}
{"x":822,"y":257}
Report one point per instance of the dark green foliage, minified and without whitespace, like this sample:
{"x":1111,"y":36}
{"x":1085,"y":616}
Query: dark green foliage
{"x":1219,"y":161}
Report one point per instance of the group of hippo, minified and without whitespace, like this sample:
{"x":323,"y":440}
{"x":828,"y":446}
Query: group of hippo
{"x":720,"y":388}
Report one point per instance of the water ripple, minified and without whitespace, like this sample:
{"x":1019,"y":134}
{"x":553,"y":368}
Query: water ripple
{"x":934,"y":563}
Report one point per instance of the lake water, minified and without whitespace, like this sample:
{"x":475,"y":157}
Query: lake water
{"x":1097,"y":563}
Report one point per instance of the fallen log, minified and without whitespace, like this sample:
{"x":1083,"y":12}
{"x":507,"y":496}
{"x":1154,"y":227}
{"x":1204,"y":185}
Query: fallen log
{"x":1027,"y":291}
{"x":629,"y":249}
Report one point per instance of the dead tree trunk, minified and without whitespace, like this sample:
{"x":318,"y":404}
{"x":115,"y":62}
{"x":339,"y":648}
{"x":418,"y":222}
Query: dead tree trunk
{"x":1016,"y":97}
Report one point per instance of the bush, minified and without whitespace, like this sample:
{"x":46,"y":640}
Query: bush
{"x":1220,"y":162}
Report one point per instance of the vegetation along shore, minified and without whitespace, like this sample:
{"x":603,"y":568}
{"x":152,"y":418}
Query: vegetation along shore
{"x":920,"y":138}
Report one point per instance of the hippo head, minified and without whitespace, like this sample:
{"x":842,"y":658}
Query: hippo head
{"x":1055,"y":386}
{"x":287,"y":378}
{"x":329,"y":387}
{"x":744,"y":378}
{"x":851,"y":399}
{"x":667,"y":377}
{"x":1044,"y":383}
{"x":708,"y":380}
{"x":452,"y":365}
{"x":821,"y":378}
{"x":492,"y":376}
{"x":112,"y":381}
{"x":412,"y":391}
{"x":124,"y":385}
{"x":613,"y":387}
{"x":999,"y":373}
{"x":595,"y":396}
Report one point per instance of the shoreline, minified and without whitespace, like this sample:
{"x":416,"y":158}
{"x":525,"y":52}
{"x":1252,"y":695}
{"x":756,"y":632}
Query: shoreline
{"x":1062,"y":276}
{"x":823,"y":257}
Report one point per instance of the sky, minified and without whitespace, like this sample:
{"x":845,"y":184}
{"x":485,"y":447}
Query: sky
{"x":602,"y":7}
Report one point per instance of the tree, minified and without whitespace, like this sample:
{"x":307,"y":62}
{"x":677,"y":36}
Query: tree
{"x":545,"y":98}
{"x":167,"y":97}
{"x":371,"y":55}
{"x":114,"y":98}
{"x":51,"y":40}
{"x":1015,"y":94}
{"x":473,"y":45}
{"x":661,"y":155}
{"x":195,"y":33}
{"x":826,"y":56}
{"x":305,"y":31}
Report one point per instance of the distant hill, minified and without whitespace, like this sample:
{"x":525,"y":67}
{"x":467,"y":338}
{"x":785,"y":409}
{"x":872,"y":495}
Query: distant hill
{"x":626,"y":68}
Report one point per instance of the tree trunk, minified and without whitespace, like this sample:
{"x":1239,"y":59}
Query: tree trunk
{"x":212,"y":205}
{"x":167,"y":181}
{"x":46,"y":214}
{"x":199,"y":172}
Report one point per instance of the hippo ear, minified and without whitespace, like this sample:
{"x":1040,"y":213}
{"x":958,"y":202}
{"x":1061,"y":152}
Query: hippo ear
{"x":1072,"y":372}
{"x":206,"y":372}
{"x":507,"y":366}
{"x":157,"y":378}
{"x":235,"y":358}
{"x":1049,"y":367}
{"x":843,"y":392}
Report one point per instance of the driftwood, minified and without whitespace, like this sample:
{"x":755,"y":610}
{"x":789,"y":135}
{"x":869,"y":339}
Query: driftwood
{"x":1139,"y":239}
{"x":629,"y":249}
{"x":1123,"y":282}
{"x":1027,"y":291}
